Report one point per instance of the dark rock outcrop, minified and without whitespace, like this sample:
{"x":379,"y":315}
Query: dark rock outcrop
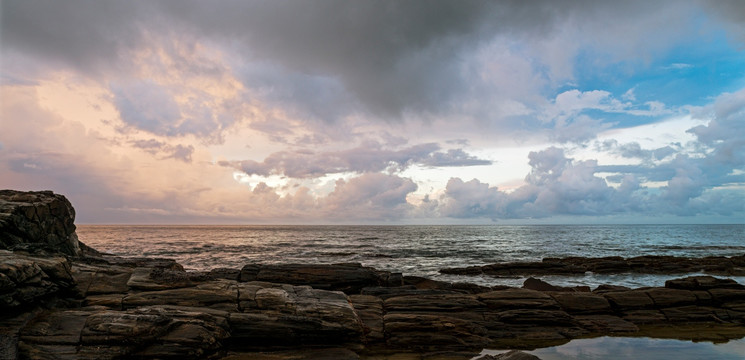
{"x":37,"y":221}
{"x":349,"y":278}
{"x":510,"y":355}
{"x":26,"y":280}
{"x":716,"y":265}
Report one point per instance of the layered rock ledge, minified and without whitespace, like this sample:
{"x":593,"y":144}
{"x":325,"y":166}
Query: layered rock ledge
{"x":60,"y":306}
{"x":714,"y":265}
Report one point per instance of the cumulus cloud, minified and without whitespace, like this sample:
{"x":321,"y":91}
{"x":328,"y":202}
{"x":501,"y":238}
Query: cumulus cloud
{"x":633,"y":150}
{"x":567,"y":113}
{"x":558,"y":185}
{"x":724,"y":134}
{"x":368,"y":157}
{"x":373,"y":195}
{"x":472,"y":199}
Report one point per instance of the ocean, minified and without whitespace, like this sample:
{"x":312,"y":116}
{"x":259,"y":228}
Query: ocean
{"x":420,"y":250}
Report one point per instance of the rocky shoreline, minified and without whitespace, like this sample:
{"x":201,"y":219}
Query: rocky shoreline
{"x":62,"y":300}
{"x":669,"y":265}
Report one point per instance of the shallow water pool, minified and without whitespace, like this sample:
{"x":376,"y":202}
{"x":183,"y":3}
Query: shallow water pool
{"x":628,"y":348}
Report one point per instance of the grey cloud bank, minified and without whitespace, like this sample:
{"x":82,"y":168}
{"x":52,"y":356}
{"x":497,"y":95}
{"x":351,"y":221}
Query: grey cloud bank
{"x":369,"y":157}
{"x":395,"y":57}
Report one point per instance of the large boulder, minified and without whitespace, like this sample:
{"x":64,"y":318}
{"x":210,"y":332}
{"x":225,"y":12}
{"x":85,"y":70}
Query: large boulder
{"x":37,"y":220}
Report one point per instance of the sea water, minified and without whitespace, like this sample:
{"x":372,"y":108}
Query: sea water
{"x":420,"y":250}
{"x":626,"y":348}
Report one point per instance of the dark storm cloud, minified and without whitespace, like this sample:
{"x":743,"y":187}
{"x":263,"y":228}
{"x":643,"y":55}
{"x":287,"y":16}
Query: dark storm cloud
{"x":81,"y":34}
{"x":733,"y":11}
{"x":393,"y":56}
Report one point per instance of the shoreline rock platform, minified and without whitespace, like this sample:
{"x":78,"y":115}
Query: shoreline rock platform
{"x":667,"y":265}
{"x":62,"y":300}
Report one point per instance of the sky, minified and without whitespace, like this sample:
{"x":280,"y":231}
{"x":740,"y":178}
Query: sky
{"x":377,"y":112}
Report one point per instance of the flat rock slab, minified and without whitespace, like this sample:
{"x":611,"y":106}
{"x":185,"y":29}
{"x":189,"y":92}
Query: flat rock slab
{"x":626,"y":300}
{"x":349,"y":278}
{"x":429,"y":332}
{"x":154,"y":278}
{"x":582,"y":303}
{"x":300,"y":354}
{"x":148,"y":332}
{"x":434,"y":303}
{"x":220,"y":294}
{"x":56,"y":328}
{"x":518,"y":299}
{"x":719,"y":265}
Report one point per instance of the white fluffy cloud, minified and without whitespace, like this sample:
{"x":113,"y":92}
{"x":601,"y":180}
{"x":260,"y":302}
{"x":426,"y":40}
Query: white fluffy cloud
{"x":558,"y":185}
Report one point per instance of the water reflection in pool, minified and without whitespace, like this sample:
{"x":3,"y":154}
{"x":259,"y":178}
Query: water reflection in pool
{"x":620,"y":348}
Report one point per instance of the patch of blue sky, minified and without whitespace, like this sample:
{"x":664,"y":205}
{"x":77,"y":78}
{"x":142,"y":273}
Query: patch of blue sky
{"x":685,"y":75}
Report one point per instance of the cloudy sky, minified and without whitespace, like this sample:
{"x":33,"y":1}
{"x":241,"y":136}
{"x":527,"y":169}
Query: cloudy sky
{"x":336,"y":111}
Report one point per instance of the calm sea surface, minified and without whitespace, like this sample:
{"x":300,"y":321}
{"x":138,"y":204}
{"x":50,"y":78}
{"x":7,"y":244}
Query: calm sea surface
{"x":419,"y":250}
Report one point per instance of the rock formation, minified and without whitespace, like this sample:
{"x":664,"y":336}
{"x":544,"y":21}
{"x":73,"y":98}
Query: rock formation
{"x":39,"y":220}
{"x":714,"y":265}
{"x":157,"y":310}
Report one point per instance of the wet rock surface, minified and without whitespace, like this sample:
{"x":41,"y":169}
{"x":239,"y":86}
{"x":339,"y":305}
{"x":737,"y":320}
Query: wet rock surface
{"x":715,"y":265}
{"x":77,"y":308}
{"x":350,"y":278}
